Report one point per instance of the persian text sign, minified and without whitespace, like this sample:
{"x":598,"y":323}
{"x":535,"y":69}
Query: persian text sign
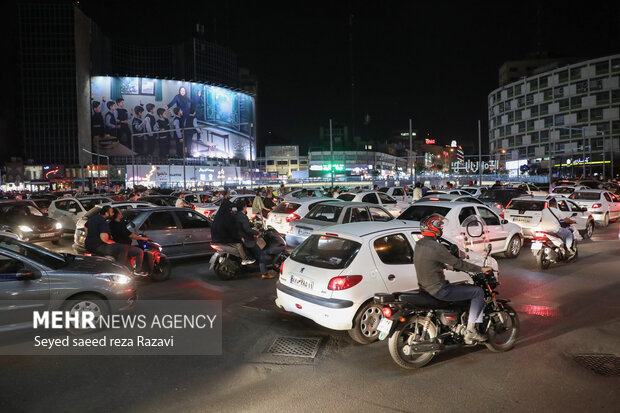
{"x":475,"y":167}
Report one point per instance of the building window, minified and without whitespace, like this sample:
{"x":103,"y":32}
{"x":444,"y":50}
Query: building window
{"x":596,"y":114}
{"x":519,"y":140}
{"x":564,"y":133}
{"x":544,"y":109}
{"x":602,"y":97}
{"x":533,"y":84}
{"x":293,"y":161}
{"x":548,"y":94}
{"x":518,"y":115}
{"x":535,"y":137}
{"x":510,"y":91}
{"x":521,"y":126}
{"x":271,"y":163}
{"x":559,"y":119}
{"x":582,"y":87}
{"x":558,"y":92}
{"x":303,"y":162}
{"x":517,"y":90}
{"x":575,"y":73}
{"x":615,"y":95}
{"x":596,"y":84}
{"x":543,"y":82}
{"x":521,"y":102}
{"x":544,"y":135}
{"x":511,"y":142}
{"x":575,"y":102}
{"x":563,"y":76}
{"x":602,"y":67}
{"x":282,"y":163}
{"x":531,"y":151}
{"x":615,"y":65}
{"x":529,"y":99}
{"x":582,"y":116}
{"x":564,"y":104}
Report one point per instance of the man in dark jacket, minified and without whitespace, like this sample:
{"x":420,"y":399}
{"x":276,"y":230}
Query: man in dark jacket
{"x":247,"y":235}
{"x":430,"y":259}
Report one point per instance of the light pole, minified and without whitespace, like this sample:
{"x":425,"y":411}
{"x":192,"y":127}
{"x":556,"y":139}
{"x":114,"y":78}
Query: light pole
{"x":331,"y":148}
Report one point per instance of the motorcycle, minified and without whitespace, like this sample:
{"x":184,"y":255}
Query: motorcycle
{"x":155,"y":263}
{"x":226,"y":261}
{"x":549,"y":248}
{"x":420,"y":326}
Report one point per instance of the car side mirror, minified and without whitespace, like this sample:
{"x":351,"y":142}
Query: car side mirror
{"x":504,"y":221}
{"x":584,"y":209}
{"x":28,"y":275}
{"x":574,"y":214}
{"x":132,"y":224}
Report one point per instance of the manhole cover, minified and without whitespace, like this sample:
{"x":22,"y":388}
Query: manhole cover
{"x":295,"y":346}
{"x":603,"y":364}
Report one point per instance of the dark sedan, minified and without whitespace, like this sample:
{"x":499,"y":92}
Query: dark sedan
{"x":28,"y":223}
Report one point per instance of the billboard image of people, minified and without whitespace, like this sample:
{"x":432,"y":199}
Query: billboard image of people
{"x":170,"y":118}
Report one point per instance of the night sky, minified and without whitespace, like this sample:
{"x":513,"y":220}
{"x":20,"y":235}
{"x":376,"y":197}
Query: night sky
{"x":429,"y":61}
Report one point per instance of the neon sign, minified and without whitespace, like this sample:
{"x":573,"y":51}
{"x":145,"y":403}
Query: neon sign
{"x":430,"y":141}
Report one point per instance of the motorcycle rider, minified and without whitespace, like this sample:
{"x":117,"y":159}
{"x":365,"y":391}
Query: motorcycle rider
{"x":550,"y":222}
{"x":430,"y":259}
{"x":223,"y":228}
{"x":122,"y":235}
{"x":247,"y":235}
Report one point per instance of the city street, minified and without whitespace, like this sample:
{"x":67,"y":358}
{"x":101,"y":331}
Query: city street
{"x":565,"y":311}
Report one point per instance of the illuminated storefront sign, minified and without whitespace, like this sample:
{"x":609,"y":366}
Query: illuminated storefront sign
{"x":430,"y":141}
{"x":474,"y":167}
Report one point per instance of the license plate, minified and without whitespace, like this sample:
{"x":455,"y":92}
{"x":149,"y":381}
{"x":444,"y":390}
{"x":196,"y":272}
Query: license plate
{"x":521,"y":219}
{"x":47,"y":235}
{"x":302,"y":282}
{"x":384,"y":327}
{"x":536,"y":245}
{"x":305,"y":232}
{"x":277,"y":220}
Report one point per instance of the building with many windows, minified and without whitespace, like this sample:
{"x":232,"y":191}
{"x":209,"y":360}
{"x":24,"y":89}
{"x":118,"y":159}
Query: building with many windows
{"x":282,"y":160}
{"x":571,"y":114}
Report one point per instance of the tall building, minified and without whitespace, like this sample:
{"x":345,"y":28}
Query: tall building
{"x":514,"y":70}
{"x":571,"y":114}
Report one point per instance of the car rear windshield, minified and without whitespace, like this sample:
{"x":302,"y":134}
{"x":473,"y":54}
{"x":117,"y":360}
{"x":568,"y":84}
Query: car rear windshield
{"x":327,"y":213}
{"x":287,"y":207}
{"x":563,"y":190}
{"x":34,"y":252}
{"x":346,"y":197}
{"x":417,"y":212}
{"x":90,"y":203}
{"x":522,"y":205}
{"x":501,"y":195}
{"x":326,"y":252}
{"x":586,"y":196}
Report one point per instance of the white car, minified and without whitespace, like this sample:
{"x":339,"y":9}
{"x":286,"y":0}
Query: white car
{"x":392,"y":205}
{"x":80,"y":234}
{"x":531,"y":189}
{"x":504,"y":237}
{"x":298,"y":194}
{"x":334,"y":213}
{"x":283,"y":215}
{"x":332,"y":277}
{"x":603,"y":205}
{"x":398,"y":192}
{"x":451,"y":198}
{"x":527,"y":213}
{"x":567,"y":190}
{"x":209,"y":210}
{"x":474,"y":190}
{"x":69,"y":210}
{"x":447,"y":192}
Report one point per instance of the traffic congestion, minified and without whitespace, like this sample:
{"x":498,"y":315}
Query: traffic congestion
{"x":345,"y":258}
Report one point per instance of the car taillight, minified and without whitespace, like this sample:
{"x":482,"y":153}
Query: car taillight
{"x":292,"y":217}
{"x":216,"y":247}
{"x":596,"y":206}
{"x":498,"y":206}
{"x":540,"y":235}
{"x":282,"y":268}
{"x":208,"y":212}
{"x":344,"y":282}
{"x":387,"y":312}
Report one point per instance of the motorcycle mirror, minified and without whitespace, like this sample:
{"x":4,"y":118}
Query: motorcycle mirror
{"x":474,"y":229}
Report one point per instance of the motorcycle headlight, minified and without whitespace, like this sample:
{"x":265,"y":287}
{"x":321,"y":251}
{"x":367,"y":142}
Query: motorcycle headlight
{"x":119,"y":279}
{"x":58,"y":225}
{"x":25,"y":228}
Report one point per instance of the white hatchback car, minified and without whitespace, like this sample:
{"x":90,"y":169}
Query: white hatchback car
{"x":209,"y":210}
{"x":392,"y":205}
{"x":603,"y":205}
{"x":398,"y":192}
{"x":332,"y":277}
{"x":286,"y":212}
{"x":69,"y":210}
{"x":527,"y":213}
{"x":299,"y":194}
{"x":566,"y":190}
{"x":504,"y":237}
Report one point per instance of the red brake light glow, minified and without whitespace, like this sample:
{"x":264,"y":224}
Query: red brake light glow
{"x":281,"y":268}
{"x":329,"y":234}
{"x":292,"y":217}
{"x":596,"y":206}
{"x":344,"y":282}
{"x":540,"y":235}
{"x":387,"y":312}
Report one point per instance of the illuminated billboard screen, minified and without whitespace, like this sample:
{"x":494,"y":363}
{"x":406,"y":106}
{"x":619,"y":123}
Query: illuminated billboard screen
{"x":170,"y":118}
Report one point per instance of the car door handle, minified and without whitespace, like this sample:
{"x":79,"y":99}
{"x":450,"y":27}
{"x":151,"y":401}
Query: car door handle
{"x":391,"y":277}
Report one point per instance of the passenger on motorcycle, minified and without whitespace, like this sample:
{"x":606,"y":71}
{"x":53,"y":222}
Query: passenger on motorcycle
{"x":551,"y":223}
{"x":224,"y":228}
{"x":122,"y":235}
{"x":430,"y":259}
{"x":248,"y":235}
{"x":98,"y":239}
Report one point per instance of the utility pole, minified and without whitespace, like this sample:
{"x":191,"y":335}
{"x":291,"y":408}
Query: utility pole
{"x":480,"y":154}
{"x":251,"y":163}
{"x":412,"y":170}
{"x":331,"y":148}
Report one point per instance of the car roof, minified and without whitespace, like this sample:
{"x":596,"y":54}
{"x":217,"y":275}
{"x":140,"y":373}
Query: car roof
{"x":363,"y":229}
{"x":161,"y":208}
{"x":598,"y":191}
{"x":444,"y":197}
{"x":310,"y":199}
{"x":346,"y":204}
{"x":446,"y":204}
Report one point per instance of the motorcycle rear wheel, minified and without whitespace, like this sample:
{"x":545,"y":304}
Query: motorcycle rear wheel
{"x":400,"y":338}
{"x":542,"y":260}
{"x":161,"y":270}
{"x":503,"y":336}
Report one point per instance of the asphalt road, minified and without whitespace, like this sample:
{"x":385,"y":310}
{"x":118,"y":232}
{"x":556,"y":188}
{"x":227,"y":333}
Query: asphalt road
{"x":565,"y":311}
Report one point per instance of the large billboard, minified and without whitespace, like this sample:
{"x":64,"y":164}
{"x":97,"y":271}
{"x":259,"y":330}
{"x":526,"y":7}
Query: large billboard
{"x":170,"y":118}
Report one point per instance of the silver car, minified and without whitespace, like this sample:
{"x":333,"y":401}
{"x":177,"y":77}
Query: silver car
{"x":334,"y":213}
{"x":181,"y":232}
{"x":68,"y":210}
{"x":35,"y":278}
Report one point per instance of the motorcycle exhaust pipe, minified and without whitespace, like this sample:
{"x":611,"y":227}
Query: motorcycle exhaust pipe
{"x":422,"y":348}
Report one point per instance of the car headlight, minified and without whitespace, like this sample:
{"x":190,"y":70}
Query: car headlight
{"x":25,"y":228}
{"x":58,"y":225}
{"x":120,"y":279}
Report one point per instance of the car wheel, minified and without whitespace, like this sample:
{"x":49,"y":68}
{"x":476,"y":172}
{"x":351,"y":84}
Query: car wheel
{"x":587,"y":234}
{"x":606,"y":220}
{"x":514,"y":247}
{"x":365,"y":323}
{"x":86,"y":302}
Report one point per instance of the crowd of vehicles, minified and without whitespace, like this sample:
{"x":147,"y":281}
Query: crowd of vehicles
{"x":344,"y":261}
